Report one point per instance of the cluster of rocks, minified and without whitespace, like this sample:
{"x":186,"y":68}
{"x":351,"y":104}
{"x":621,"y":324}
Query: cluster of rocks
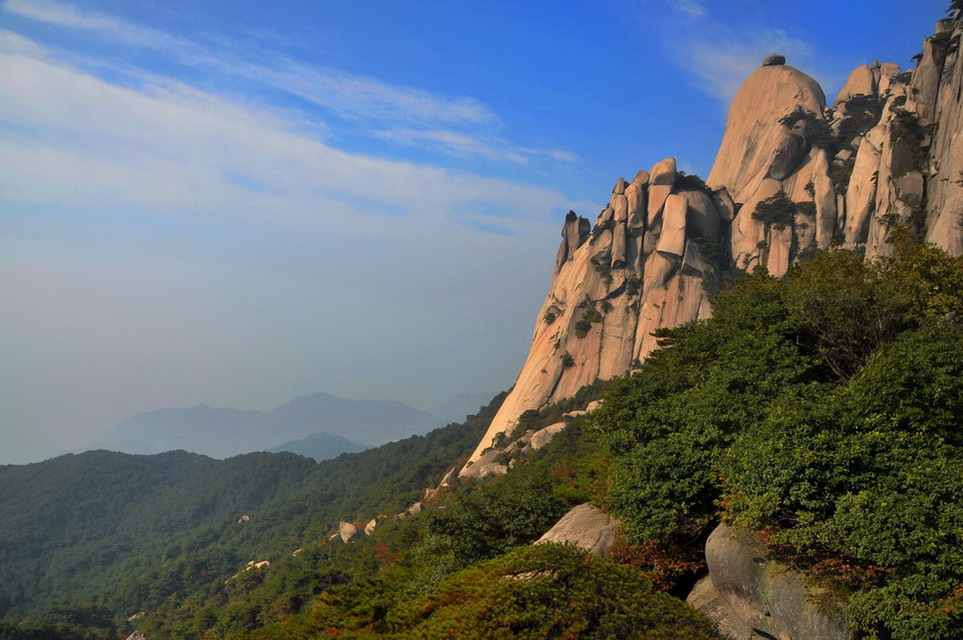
{"x":431,"y":498}
{"x":500,"y":460}
{"x":748,"y":593}
{"x":845,"y":176}
{"x":252,"y":565}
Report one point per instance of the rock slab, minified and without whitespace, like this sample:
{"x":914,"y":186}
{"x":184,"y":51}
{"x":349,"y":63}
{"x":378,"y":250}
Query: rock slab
{"x":749,"y":593}
{"x":587,"y":527}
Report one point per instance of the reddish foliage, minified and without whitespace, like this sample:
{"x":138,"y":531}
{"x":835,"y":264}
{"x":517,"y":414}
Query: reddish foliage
{"x":826,"y":564}
{"x":663,"y":564}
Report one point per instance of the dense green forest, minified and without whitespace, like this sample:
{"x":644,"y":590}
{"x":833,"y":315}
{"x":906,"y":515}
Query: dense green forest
{"x":822,"y":410}
{"x":125,"y":532}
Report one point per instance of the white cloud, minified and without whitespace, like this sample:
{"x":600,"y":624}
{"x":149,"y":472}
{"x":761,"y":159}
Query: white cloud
{"x":72,"y":139}
{"x":277,"y":255}
{"x":467,"y":144}
{"x":721,"y":60}
{"x":694,"y":8}
{"x":690,"y":8}
{"x":719,"y":49}
{"x":453,"y":125}
{"x":65,"y":15}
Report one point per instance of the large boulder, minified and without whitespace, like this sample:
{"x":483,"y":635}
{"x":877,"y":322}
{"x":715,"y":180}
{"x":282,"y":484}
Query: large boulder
{"x":672,"y":239}
{"x":484,"y":466}
{"x":347,"y":531}
{"x":543,"y":436}
{"x":587,"y":527}
{"x":748,"y":590}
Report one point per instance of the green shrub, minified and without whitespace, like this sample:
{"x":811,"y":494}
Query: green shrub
{"x":816,"y":129}
{"x":633,"y":285}
{"x":549,"y":591}
{"x":825,"y":409}
{"x":582,"y":327}
{"x":687,"y":182}
{"x":863,"y":112}
{"x":777,"y":211}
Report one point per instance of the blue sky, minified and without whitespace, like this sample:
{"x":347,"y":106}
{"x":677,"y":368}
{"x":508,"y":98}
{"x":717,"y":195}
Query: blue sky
{"x":239,"y":202}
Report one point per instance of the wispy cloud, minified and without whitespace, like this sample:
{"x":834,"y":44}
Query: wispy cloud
{"x":690,"y":8}
{"x":222,"y":241}
{"x":68,"y":16}
{"x":721,"y":64}
{"x":453,"y":125}
{"x":695,"y":8}
{"x":719,"y":54}
{"x":172,"y":147}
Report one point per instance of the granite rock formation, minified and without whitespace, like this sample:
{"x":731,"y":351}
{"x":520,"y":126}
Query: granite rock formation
{"x":587,"y":527}
{"x":750,"y":594}
{"x":644,"y":265}
{"x":792,"y":174}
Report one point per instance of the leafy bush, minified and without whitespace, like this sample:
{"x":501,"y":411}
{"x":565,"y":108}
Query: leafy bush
{"x":874,"y":472}
{"x":824,"y":409}
{"x":600,"y":228}
{"x":590,"y":316}
{"x":863,"y":112}
{"x":668,"y":423}
{"x":816,"y":129}
{"x":777,"y":211}
{"x":690,"y":182}
{"x":549,"y":591}
{"x":633,"y":285}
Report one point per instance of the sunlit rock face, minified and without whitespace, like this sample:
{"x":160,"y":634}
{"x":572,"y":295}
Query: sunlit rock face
{"x":792,"y":175}
{"x":644,"y":265}
{"x":943,"y":108}
{"x":763,"y":154}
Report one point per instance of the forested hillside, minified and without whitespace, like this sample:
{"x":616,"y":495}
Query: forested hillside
{"x":127,"y":531}
{"x":821,"y":409}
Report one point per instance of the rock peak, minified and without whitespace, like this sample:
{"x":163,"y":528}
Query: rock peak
{"x":774,"y":60}
{"x":640,"y":269}
{"x":754,"y":136}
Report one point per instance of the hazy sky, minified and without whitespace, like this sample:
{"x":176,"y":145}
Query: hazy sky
{"x":238,"y":202}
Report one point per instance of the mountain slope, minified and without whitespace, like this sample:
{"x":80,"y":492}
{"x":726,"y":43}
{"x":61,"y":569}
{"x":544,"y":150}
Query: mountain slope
{"x":369,"y":422}
{"x":221,"y":433}
{"x":319,"y":446}
{"x":131,"y":531}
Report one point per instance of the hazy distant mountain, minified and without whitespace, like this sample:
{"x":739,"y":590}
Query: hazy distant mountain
{"x":221,"y":433}
{"x":138,"y":530}
{"x":202,"y":429}
{"x":455,"y":408}
{"x":369,"y":422}
{"x":320,"y":446}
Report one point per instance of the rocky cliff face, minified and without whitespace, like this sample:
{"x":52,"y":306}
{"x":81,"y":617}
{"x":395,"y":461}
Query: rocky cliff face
{"x":643,"y":266}
{"x":792,"y":174}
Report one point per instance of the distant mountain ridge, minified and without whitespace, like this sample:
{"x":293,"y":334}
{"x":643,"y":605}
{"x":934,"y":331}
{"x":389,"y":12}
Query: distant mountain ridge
{"x":133,"y":529}
{"x":319,"y":446}
{"x":224,"y":432}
